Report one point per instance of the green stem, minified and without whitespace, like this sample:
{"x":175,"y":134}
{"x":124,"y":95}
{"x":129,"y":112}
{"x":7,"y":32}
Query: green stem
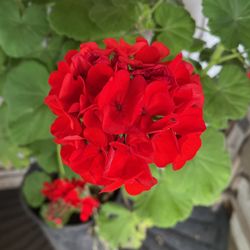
{"x":214,"y":59}
{"x":125,"y":198}
{"x":217,"y":58}
{"x":21,"y":6}
{"x":228,"y":58}
{"x":156,"y":5}
{"x":60,"y":163}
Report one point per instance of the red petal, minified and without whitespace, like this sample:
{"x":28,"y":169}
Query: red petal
{"x":125,"y":165}
{"x":148,"y":54}
{"x":97,"y":77}
{"x":71,"y":90}
{"x":189,"y":145}
{"x":142,"y":183}
{"x":157,"y":99}
{"x":165,"y":148}
{"x":112,"y":186}
{"x":95,"y":136}
{"x":190,"y":121}
{"x":69,"y":55}
{"x":162,"y":49}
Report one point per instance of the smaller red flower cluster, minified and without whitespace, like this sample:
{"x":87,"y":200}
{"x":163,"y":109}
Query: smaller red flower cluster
{"x":122,"y":108}
{"x":68,"y":194}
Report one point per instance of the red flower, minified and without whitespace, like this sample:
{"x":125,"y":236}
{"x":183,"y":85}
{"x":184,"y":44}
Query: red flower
{"x":63,"y":189}
{"x":63,"y":195}
{"x":122,"y":108}
{"x":89,"y":204}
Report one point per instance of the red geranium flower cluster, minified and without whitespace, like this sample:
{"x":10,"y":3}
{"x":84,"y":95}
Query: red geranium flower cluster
{"x":67,"y":194}
{"x":122,"y":108}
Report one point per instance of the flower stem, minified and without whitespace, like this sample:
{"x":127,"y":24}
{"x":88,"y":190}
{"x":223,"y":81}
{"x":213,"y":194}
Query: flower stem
{"x":125,"y":198}
{"x":21,"y":7}
{"x":60,"y":163}
{"x":156,"y":5}
{"x":217,"y":58}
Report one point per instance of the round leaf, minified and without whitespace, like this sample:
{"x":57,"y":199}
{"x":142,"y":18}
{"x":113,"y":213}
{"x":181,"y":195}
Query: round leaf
{"x":21,"y":34}
{"x":32,"y":187}
{"x":45,"y":153}
{"x":10,"y":154}
{"x":230,"y":20}
{"x":24,"y":91}
{"x":71,"y":18}
{"x":103,"y":13}
{"x":121,"y":227}
{"x":25,"y":88}
{"x":163,"y":205}
{"x":204,"y":178}
{"x":177,"y":27}
{"x":226,"y":97}
{"x":32,"y":126}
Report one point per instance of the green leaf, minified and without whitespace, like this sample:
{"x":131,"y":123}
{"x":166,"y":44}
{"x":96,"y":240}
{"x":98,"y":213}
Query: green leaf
{"x":226,"y":97}
{"x":71,"y":18}
{"x":21,"y":34}
{"x":197,"y":45}
{"x":163,"y":205}
{"x":103,"y":13}
{"x":25,"y":88}
{"x":50,"y":52}
{"x":207,"y":174}
{"x":39,"y":1}
{"x":230,"y":20}
{"x":32,"y":126}
{"x":121,"y":227}
{"x":177,"y":25}
{"x":3,"y":58}
{"x":2,"y":82}
{"x":45,"y":153}
{"x":69,"y":174}
{"x":68,"y":45}
{"x":24,"y":92}
{"x":10,"y":154}
{"x":32,"y":187}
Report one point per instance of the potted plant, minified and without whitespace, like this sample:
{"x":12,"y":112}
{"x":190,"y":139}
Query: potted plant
{"x":55,"y":203}
{"x":124,"y":111}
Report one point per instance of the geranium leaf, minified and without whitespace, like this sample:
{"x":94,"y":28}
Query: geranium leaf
{"x":24,"y":92}
{"x":163,"y":205}
{"x":204,"y":177}
{"x":226,"y":97}
{"x":50,"y":52}
{"x":45,"y":153}
{"x":177,"y":27}
{"x":21,"y":34}
{"x":2,"y":61}
{"x":103,"y":13}
{"x":25,"y":88}
{"x":32,"y":187}
{"x":121,"y":227}
{"x":230,"y":20}
{"x":10,"y":154}
{"x":76,"y":23}
{"x":32,"y":126}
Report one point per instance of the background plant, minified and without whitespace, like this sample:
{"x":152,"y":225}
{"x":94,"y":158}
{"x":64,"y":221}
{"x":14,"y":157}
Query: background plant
{"x":35,"y":34}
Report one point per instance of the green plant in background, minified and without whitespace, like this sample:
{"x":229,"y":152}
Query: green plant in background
{"x":35,"y":34}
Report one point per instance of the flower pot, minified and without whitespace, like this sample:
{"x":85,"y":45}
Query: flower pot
{"x":70,"y":237}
